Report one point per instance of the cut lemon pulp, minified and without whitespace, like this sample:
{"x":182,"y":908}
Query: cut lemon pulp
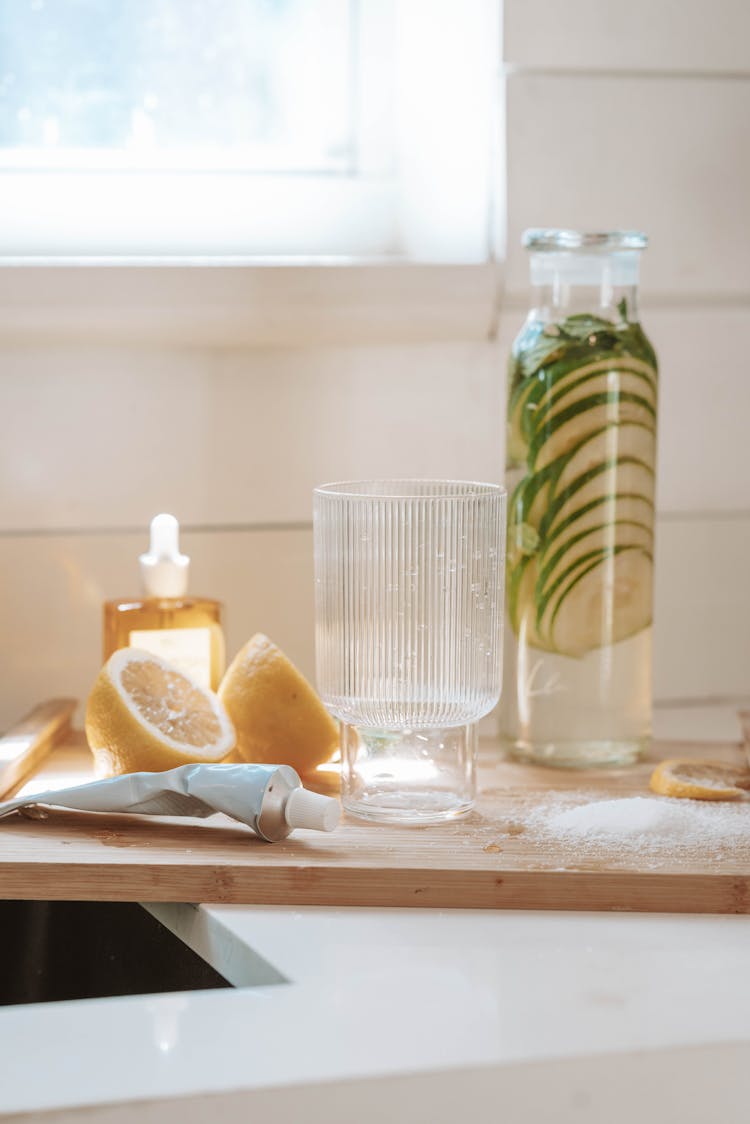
{"x":144,"y":714}
{"x":278,"y":716}
{"x":699,"y":780}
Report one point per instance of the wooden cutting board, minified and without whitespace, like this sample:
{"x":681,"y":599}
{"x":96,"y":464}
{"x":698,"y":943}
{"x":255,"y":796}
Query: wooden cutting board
{"x":490,"y":859}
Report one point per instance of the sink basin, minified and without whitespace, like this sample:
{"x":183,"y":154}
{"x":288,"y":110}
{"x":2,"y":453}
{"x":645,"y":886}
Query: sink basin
{"x":81,"y":950}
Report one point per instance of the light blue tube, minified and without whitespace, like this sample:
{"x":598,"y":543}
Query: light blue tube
{"x":268,"y":798}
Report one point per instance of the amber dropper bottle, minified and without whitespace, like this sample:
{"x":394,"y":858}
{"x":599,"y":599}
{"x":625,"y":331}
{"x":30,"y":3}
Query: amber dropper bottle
{"x":186,"y":631}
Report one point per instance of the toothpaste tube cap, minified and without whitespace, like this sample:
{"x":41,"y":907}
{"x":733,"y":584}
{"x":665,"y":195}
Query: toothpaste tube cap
{"x":310,"y":809}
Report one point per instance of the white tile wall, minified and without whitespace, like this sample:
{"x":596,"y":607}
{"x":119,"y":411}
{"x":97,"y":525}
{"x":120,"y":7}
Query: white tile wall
{"x":702,"y":608}
{"x":618,"y":115}
{"x":95,"y":437}
{"x":666,"y":155}
{"x":229,"y":305}
{"x":704,"y":408}
{"x":659,"y":35}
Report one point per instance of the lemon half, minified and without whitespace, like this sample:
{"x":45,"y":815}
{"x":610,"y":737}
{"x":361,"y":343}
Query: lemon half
{"x":144,"y":714}
{"x":278,"y":716}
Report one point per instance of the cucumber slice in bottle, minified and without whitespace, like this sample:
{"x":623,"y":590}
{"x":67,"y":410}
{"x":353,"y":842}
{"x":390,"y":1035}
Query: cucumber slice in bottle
{"x":573,"y":550}
{"x":527,"y":505}
{"x":562,"y":378}
{"x":627,"y":385}
{"x":606,"y":603}
{"x":530,"y":499}
{"x":522,"y":603}
{"x":627,"y":442}
{"x":620,"y":476}
{"x":518,"y":445}
{"x":588,"y":507}
{"x":565,"y":432}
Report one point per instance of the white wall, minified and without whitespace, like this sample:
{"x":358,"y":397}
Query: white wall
{"x":617,"y":115}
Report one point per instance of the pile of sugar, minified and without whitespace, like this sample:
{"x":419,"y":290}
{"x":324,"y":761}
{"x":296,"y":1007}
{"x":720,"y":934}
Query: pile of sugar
{"x":646,"y":824}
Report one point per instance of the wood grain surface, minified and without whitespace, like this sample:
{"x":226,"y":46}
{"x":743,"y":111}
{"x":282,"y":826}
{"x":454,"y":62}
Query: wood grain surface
{"x":490,"y":859}
{"x":28,"y":742}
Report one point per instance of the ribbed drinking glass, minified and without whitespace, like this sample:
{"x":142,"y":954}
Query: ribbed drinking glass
{"x":409,"y":601}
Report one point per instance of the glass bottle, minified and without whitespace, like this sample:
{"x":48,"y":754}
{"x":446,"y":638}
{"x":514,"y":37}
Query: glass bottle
{"x":185,"y":631}
{"x":580,"y":472}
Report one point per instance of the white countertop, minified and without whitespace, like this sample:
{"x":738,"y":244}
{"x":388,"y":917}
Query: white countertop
{"x":413,"y":1015}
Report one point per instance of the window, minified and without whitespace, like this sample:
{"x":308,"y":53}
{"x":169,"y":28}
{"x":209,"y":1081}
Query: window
{"x":253,"y":128}
{"x":187,"y":84}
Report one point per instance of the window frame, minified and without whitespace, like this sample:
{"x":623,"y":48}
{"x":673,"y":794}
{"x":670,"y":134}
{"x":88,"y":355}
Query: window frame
{"x":222,"y":304}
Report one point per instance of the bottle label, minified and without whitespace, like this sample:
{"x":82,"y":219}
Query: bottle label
{"x":189,"y":649}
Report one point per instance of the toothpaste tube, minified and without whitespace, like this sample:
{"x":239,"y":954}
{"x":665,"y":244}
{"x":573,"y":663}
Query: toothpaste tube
{"x":268,"y":798}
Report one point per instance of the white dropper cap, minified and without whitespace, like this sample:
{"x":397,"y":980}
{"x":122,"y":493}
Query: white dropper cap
{"x":164,"y":571}
{"x":310,"y":809}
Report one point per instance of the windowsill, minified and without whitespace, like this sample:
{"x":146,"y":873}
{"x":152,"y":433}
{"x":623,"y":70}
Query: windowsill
{"x":232,"y":302}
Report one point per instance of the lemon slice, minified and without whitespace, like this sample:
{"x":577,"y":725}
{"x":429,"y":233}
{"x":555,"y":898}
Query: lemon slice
{"x":278,"y":716}
{"x":699,"y":780}
{"x":144,"y":714}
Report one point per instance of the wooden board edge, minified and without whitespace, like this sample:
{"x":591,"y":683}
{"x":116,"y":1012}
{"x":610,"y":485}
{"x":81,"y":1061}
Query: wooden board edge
{"x":357,"y":886}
